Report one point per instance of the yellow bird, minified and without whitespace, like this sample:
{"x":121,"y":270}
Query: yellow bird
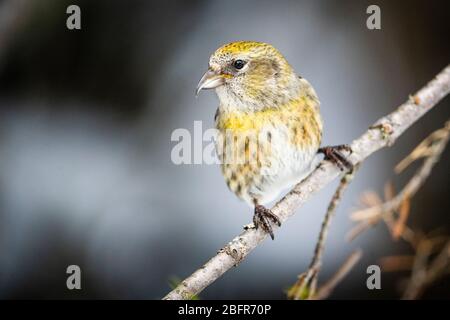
{"x":269,"y":124}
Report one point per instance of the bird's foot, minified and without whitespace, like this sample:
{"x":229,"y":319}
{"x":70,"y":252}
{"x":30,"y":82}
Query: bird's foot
{"x":262,"y":218}
{"x":334,"y":154}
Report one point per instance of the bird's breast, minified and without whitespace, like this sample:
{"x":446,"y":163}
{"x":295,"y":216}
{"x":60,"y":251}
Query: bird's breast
{"x":300,"y":119}
{"x":263,"y":151}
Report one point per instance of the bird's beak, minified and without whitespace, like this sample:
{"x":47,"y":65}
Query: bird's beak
{"x":210,"y":80}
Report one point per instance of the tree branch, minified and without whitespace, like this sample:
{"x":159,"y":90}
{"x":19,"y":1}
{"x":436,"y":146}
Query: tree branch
{"x":431,"y":148}
{"x":426,"y":265}
{"x":383,"y":133}
{"x":426,"y":272}
{"x":305,"y":286}
{"x":346,"y":267}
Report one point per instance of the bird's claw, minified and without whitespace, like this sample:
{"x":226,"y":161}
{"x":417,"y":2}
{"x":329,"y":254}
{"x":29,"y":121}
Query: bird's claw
{"x":262,"y":218}
{"x":334,"y":154}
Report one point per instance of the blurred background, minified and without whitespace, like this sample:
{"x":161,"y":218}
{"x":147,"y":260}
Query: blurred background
{"x":86,"y":118}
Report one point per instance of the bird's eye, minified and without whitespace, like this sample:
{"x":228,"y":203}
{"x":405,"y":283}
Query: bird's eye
{"x":238,"y":64}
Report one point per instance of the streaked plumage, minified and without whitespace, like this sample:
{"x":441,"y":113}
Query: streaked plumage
{"x":261,"y":95}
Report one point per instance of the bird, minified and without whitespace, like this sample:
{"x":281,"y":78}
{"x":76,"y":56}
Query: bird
{"x":268,"y":122}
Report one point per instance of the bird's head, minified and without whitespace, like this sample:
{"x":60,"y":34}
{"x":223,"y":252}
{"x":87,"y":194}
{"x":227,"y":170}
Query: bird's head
{"x":250,"y":76}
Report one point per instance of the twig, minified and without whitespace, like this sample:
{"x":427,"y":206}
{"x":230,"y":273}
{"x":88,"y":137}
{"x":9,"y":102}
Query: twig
{"x":425,"y":269}
{"x":346,"y":267}
{"x":383,"y":133}
{"x":424,"y":272}
{"x":397,"y":263}
{"x":432,"y":147}
{"x":306,"y":284}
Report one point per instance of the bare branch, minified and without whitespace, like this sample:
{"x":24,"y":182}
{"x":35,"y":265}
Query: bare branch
{"x":383,"y":133}
{"x":346,"y":267}
{"x":394,"y":211}
{"x":431,"y":148}
{"x":426,"y":272}
{"x":305,"y":286}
